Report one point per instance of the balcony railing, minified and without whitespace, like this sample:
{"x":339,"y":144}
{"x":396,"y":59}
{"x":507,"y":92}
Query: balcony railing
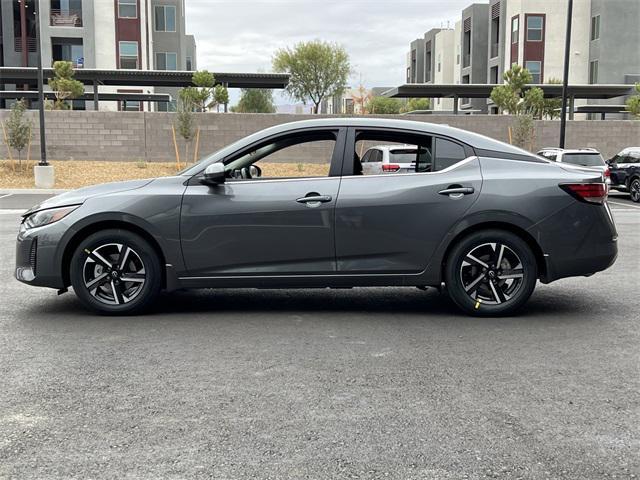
{"x":66,"y":18}
{"x":494,"y":49}
{"x":31,"y":44}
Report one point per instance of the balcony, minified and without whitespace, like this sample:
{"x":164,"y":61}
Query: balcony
{"x":495,"y":47}
{"x":65,"y":18}
{"x":31,"y":44}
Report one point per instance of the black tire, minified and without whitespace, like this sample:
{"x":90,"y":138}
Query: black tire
{"x":115,"y":281}
{"x":634,"y":189}
{"x":490,"y":289}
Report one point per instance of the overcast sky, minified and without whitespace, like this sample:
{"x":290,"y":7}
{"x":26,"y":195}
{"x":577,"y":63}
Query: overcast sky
{"x":242,"y":35}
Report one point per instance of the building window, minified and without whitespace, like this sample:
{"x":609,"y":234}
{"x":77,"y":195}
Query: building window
{"x":189,"y":64}
{"x":595,"y":27}
{"x":166,"y":61}
{"x":515,"y":29}
{"x":165,"y":18}
{"x":534,"y":28}
{"x":593,"y":72}
{"x":127,"y":8}
{"x":170,"y":106}
{"x":128,"y":54}
{"x":535,"y":68}
{"x":439,"y":62}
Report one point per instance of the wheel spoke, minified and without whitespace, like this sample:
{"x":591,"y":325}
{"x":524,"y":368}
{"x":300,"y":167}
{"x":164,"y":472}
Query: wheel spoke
{"x":498,"y":294}
{"x":99,"y":280}
{"x":96,"y":257}
{"x":473,"y":286}
{"x":133,"y":277}
{"x":514,"y":273}
{"x":500,"y":255}
{"x":124,"y":255}
{"x":471,"y":260}
{"x":117,"y":293}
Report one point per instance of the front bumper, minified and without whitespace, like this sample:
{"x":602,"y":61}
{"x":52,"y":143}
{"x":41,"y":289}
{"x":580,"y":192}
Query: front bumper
{"x":35,"y":256}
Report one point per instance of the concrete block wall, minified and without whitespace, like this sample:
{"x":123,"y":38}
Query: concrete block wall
{"x":90,"y":135}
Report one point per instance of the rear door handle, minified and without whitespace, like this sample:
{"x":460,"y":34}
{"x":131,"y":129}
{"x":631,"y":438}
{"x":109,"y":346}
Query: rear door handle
{"x":314,"y":199}
{"x":457,"y":192}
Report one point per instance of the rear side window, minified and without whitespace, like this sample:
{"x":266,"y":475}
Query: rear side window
{"x":633,"y":157}
{"x":447,"y":153}
{"x":549,"y":156}
{"x":584,"y":159}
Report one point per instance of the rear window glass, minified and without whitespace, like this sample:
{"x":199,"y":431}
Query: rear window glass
{"x":584,"y":159}
{"x":402,"y":156}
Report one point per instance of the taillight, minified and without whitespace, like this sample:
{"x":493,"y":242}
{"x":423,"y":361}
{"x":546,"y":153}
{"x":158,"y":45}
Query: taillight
{"x":607,"y":173}
{"x":390,"y":167}
{"x":587,"y":192}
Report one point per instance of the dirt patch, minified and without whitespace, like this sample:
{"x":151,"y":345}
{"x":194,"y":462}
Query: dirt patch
{"x":71,"y":174}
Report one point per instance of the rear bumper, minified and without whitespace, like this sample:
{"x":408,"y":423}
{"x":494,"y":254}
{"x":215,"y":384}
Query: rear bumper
{"x":578,"y":241}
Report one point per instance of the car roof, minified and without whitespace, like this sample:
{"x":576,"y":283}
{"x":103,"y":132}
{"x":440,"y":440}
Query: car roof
{"x":570,"y":150}
{"x":475,"y":140}
{"x":630,"y":150}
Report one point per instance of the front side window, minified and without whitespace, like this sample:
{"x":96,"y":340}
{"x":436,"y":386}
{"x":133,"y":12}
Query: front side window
{"x":534,"y":28}
{"x":128,"y":8}
{"x":535,"y":68}
{"x":166,"y":61}
{"x":307,"y":154}
{"x":128,"y":54}
{"x":165,"y":18}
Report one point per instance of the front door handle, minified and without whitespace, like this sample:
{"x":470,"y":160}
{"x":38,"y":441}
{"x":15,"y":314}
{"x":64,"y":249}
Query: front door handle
{"x":314,"y":198}
{"x":457,"y":192}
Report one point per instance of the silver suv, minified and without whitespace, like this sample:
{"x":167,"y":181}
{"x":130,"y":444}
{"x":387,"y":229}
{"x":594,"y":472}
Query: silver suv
{"x":583,"y":157}
{"x":389,"y":159}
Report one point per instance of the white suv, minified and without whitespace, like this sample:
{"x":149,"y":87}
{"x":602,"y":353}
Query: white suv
{"x":588,"y":158}
{"x":389,"y":159}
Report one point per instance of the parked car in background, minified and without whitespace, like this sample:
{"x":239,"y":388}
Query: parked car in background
{"x":391,"y":159}
{"x":582,"y":157}
{"x":625,"y":172}
{"x":485,"y":218}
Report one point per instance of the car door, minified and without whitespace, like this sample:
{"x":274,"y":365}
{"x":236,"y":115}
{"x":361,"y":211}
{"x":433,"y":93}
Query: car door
{"x":265,"y":226}
{"x":618,"y":169}
{"x":393,"y":223}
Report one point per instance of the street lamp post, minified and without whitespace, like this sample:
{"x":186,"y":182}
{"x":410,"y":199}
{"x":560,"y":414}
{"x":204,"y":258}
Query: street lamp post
{"x":43,"y":144}
{"x":565,"y":80}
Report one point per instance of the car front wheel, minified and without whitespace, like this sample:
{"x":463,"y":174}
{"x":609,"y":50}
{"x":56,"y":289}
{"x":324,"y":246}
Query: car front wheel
{"x":491,"y":273}
{"x":115,"y":272}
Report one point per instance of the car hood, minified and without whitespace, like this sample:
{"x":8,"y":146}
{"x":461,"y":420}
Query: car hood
{"x":80,"y":195}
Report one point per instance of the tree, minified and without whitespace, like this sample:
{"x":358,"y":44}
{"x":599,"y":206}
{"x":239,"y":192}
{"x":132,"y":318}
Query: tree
{"x":220,"y":96}
{"x":552,"y":106}
{"x":384,"y":105}
{"x":18,"y":128}
{"x":198,"y":96}
{"x":318,"y":70}
{"x":633,"y":104}
{"x":414,"y":104}
{"x":63,"y":84}
{"x":185,"y":123}
{"x":255,"y":101}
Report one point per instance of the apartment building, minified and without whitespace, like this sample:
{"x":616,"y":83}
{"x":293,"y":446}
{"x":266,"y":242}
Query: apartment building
{"x":104,"y":34}
{"x":490,"y":37}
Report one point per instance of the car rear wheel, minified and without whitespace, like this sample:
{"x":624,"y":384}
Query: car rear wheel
{"x":491,"y":273}
{"x":115,"y":272}
{"x":634,"y":190}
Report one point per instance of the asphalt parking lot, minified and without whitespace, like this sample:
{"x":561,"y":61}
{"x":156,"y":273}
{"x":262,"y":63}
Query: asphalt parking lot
{"x":362,"y":383}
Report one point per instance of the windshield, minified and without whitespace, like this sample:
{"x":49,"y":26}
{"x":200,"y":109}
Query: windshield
{"x":584,"y":159}
{"x":402,"y":156}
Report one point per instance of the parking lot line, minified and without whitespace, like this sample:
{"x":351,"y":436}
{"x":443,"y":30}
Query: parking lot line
{"x":625,"y":205}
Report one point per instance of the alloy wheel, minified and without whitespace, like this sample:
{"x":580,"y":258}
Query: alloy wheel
{"x":635,"y":190}
{"x":113,"y":273}
{"x":491,"y":273}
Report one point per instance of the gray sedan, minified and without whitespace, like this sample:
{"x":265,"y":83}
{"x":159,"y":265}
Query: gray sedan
{"x":481,"y":218}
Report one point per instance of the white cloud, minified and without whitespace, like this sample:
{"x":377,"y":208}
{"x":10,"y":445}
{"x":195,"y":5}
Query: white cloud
{"x":242,"y":35}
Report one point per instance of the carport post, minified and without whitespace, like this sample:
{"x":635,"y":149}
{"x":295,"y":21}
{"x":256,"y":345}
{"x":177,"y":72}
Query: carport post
{"x":565,"y":79}
{"x":96,"y":104}
{"x":572,"y":102}
{"x":455,"y":104}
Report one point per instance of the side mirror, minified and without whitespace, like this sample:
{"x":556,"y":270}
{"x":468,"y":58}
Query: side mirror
{"x":214,"y":174}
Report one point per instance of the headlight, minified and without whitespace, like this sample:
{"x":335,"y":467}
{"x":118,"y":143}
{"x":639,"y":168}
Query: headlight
{"x":45,"y":217}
